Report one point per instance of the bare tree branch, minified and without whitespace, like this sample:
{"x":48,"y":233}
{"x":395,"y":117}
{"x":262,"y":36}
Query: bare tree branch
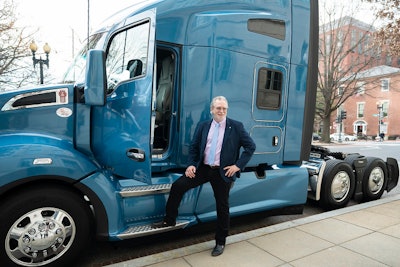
{"x":14,"y":42}
{"x":389,"y":34}
{"x":346,"y":49}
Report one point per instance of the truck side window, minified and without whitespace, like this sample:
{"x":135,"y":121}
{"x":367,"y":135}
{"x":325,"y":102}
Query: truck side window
{"x":127,"y":54}
{"x":269,"y":27}
{"x":269,"y":89}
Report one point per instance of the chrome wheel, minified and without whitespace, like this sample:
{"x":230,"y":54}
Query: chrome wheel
{"x":44,"y":225}
{"x":340,"y":187}
{"x":376,"y":180}
{"x":40,"y":237}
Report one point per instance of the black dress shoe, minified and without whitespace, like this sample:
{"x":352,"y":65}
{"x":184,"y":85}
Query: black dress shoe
{"x":162,"y":224}
{"x":218,"y":250}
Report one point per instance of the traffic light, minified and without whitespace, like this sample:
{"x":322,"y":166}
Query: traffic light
{"x":343,"y":114}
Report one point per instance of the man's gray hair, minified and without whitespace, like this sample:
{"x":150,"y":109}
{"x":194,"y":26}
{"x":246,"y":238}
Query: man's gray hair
{"x":220,"y":98}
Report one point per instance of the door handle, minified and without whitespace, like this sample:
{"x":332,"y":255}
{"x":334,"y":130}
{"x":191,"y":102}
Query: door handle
{"x":136,"y":154}
{"x":275,"y":141}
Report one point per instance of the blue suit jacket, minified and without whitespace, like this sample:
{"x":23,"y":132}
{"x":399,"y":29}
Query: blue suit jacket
{"x":235,"y":137}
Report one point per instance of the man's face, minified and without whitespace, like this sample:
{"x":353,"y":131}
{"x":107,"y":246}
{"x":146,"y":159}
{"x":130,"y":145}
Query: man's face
{"x":219,"y":110}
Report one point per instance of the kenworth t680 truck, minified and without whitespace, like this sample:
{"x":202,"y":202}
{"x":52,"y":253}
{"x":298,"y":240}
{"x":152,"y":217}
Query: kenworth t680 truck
{"x":97,"y":154}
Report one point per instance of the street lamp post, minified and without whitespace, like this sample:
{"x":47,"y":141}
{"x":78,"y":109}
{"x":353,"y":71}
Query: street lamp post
{"x":379,"y":106}
{"x":46,"y":49}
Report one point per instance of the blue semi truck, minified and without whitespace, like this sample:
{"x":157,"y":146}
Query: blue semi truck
{"x":97,"y":154}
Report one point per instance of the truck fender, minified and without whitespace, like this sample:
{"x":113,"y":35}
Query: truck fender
{"x":393,"y":173}
{"x":37,"y":156}
{"x":102,"y":194}
{"x":358,"y":163}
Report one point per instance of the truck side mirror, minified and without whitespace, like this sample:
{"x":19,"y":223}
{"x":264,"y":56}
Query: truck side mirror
{"x":96,"y":79}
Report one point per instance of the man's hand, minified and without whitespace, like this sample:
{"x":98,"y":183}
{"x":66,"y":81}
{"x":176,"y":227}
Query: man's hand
{"x":231,"y":170}
{"x":190,"y":171}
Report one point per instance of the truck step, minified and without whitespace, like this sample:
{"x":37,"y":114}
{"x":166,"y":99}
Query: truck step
{"x":135,"y":191}
{"x":144,"y":230}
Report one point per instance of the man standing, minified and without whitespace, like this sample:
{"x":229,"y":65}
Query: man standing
{"x":214,"y":156}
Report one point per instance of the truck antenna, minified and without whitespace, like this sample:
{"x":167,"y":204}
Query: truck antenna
{"x":88,"y":22}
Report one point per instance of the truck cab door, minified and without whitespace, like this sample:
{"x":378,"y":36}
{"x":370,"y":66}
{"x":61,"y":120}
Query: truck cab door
{"x":121,"y":129}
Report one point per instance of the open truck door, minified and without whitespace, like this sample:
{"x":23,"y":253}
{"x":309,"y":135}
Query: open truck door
{"x":122,"y":127}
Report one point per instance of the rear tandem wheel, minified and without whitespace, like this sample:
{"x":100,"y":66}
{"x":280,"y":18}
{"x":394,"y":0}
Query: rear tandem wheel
{"x":338,"y":184}
{"x":374,"y":179}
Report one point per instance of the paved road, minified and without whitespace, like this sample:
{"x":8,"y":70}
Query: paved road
{"x":103,"y":253}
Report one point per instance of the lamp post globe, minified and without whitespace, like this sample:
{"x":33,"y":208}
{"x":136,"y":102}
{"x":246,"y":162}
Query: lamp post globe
{"x":46,"y":48}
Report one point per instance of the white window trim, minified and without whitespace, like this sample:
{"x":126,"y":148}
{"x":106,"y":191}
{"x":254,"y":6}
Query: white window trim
{"x":388,"y":84}
{"x":358,"y":111}
{"x":361,"y":88}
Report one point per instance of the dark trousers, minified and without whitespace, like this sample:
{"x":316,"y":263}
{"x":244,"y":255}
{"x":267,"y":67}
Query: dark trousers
{"x":221,"y":190}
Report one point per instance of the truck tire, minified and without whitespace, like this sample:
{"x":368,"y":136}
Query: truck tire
{"x":338,"y":185}
{"x":43,"y":226}
{"x":374,"y":179}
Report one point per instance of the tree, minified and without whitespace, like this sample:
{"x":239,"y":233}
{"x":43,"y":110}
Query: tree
{"x":15,"y":69}
{"x":345,"y":50}
{"x":388,"y":35}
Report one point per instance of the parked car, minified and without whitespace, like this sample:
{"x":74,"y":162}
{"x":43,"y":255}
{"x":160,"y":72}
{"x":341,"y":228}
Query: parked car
{"x":316,"y":137}
{"x":343,"y":136}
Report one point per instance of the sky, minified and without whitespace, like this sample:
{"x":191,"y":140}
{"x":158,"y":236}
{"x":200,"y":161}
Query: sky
{"x":63,"y":24}
{"x":356,"y":8}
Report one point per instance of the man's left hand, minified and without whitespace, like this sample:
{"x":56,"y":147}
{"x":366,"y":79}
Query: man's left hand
{"x":231,"y":170}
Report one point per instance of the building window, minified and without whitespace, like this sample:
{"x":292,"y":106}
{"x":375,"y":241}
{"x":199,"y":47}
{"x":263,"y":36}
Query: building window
{"x":360,"y":88}
{"x":388,"y":60}
{"x":353,"y":39}
{"x":360,"y":110}
{"x":328,"y":43}
{"x":384,"y":128}
{"x":340,"y":40}
{"x":340,"y":90}
{"x":385,"y":83}
{"x":385,"y":108}
{"x":360,"y":43}
{"x":367,"y":48}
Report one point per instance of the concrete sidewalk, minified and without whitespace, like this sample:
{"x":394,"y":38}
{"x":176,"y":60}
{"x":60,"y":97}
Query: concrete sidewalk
{"x":362,"y":235}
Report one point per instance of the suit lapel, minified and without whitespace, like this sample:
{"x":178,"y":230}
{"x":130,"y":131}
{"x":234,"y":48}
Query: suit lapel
{"x":228,"y":130}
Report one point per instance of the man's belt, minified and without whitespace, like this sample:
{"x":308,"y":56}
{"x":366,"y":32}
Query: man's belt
{"x":212,"y":166}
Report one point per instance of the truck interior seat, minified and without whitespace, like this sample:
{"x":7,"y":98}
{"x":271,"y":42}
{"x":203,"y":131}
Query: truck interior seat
{"x":163,"y":98}
{"x":164,"y":101}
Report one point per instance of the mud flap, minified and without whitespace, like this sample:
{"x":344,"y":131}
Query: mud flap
{"x":393,"y":173}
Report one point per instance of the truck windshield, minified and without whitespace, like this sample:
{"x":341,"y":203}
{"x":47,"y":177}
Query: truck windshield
{"x":76,"y":71}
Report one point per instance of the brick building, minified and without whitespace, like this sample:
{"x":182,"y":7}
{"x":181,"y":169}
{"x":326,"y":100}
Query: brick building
{"x":377,"y":83}
{"x":377,"y":100}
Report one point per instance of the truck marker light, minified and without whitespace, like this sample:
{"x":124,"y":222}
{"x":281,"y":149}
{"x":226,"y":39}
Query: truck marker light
{"x":42,"y":161}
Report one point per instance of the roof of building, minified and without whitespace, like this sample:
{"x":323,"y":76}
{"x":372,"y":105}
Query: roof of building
{"x":346,"y":21}
{"x":382,"y":70}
